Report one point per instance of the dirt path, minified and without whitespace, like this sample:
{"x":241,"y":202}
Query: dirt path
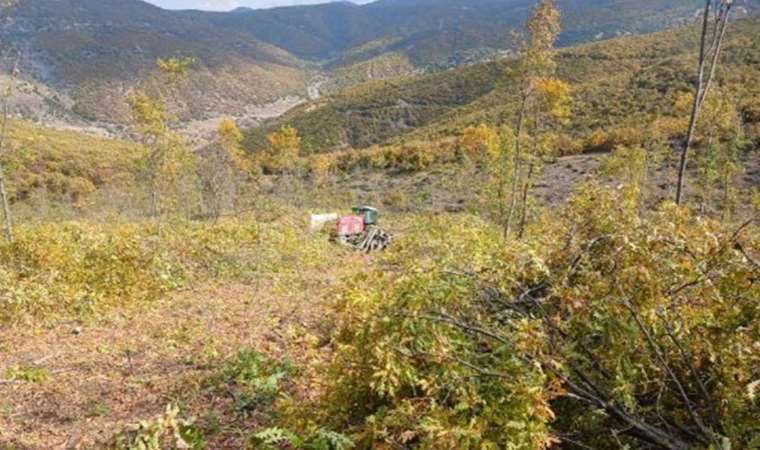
{"x":99,"y":377}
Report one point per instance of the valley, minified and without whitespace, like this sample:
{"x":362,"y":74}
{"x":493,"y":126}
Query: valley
{"x":79,"y":64}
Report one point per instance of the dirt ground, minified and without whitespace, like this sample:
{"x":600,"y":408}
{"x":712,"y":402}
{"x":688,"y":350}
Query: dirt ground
{"x":128,"y":365}
{"x":449,"y":188}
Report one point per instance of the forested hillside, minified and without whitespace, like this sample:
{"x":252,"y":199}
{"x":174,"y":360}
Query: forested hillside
{"x":621,"y":83}
{"x":91,"y":53}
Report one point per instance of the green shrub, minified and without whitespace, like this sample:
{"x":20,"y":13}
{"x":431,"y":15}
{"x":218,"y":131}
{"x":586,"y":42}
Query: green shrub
{"x":602,"y":320}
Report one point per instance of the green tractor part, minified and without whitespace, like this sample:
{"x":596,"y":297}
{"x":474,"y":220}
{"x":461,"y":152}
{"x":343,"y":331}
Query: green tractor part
{"x":370,"y":238}
{"x":369,"y":213}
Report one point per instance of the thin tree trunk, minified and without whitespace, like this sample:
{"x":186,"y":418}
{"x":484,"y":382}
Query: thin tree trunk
{"x":7,"y":218}
{"x":726,"y":187}
{"x":516,"y":172}
{"x":8,"y":221}
{"x":500,"y":192}
{"x":526,"y":188}
{"x":695,"y":107}
{"x":537,"y":129}
{"x":703,"y":85}
{"x":154,"y":202}
{"x":715,"y":47}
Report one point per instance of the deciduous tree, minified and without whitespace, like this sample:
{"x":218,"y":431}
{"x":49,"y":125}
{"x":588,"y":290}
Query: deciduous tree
{"x":536,"y":62}
{"x":551,"y":107}
{"x":4,"y":200}
{"x":5,"y":5}
{"x":710,"y":46}
{"x":284,"y":147}
{"x":479,"y":143}
{"x":223,"y":167}
{"x":169,"y":162}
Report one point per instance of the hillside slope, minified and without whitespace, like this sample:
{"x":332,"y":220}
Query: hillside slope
{"x":447,"y":32}
{"x":51,"y":165}
{"x":94,"y":50}
{"x":619,"y":82}
{"x":88,"y":53}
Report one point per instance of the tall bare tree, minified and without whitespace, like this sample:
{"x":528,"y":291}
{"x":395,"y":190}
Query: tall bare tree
{"x":5,"y":5}
{"x":711,"y":43}
{"x":7,"y":218}
{"x":536,"y":61}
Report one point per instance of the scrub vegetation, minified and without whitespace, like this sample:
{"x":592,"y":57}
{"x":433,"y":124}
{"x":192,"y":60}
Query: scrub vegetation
{"x":549,"y":285}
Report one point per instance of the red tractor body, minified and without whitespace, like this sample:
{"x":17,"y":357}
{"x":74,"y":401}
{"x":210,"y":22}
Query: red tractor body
{"x":350,"y":225}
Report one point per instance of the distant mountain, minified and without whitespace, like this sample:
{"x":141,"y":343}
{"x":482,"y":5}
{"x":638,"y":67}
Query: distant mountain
{"x":94,"y":50}
{"x":90,"y":52}
{"x":623,"y":82}
{"x":433,"y":31}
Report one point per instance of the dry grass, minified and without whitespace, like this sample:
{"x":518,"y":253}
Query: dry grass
{"x":130,"y":364}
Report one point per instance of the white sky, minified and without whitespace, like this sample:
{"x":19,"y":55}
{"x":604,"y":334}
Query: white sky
{"x":226,"y":5}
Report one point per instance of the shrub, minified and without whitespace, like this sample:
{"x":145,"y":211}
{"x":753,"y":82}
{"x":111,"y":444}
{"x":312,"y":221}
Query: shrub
{"x":751,"y":110}
{"x":282,"y":153}
{"x":479,"y":143}
{"x":604,"y":320}
{"x":77,"y":268}
{"x":600,"y":141}
{"x":167,"y":431}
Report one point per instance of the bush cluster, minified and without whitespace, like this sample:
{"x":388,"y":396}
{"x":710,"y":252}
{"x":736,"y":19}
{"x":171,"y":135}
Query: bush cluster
{"x":601,"y":320}
{"x":77,"y":269}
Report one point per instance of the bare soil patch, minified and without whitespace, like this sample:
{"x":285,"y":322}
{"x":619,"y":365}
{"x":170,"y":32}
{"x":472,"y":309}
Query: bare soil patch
{"x":103,"y":375}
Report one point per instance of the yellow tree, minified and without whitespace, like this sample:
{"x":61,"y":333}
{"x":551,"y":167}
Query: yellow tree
{"x":320,"y":167}
{"x":715,"y":140}
{"x":223,"y":166}
{"x":536,"y":63}
{"x":169,"y":161}
{"x":284,"y":148}
{"x":500,"y":175}
{"x":479,"y":143}
{"x":550,"y":107}
{"x":5,"y":203}
{"x":230,"y":140}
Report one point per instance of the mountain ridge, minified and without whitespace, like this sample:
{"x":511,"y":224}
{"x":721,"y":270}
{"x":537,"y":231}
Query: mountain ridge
{"x":91,"y":52}
{"x":611,"y":78}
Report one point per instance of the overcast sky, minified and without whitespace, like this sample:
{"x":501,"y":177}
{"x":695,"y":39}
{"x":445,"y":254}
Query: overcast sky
{"x":226,"y":5}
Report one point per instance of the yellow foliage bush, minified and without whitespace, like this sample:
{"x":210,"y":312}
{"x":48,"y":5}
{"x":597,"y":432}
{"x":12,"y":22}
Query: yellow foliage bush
{"x":479,"y":142}
{"x":473,"y":342}
{"x":55,"y":270}
{"x":751,"y":111}
{"x":670,"y":127}
{"x":320,"y":167}
{"x":407,"y":157}
{"x":282,"y":153}
{"x":605,"y":141}
{"x":64,"y":162}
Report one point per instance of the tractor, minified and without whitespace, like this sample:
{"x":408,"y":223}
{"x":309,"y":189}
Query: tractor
{"x":361,"y":232}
